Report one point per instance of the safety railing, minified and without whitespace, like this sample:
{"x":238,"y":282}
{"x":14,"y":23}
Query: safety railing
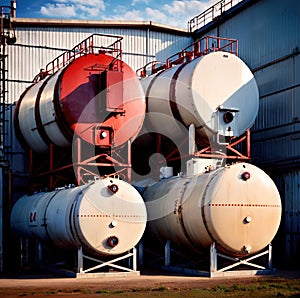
{"x":197,"y":49}
{"x":211,"y":14}
{"x":90,"y":45}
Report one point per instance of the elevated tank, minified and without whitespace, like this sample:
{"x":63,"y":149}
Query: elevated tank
{"x":105,"y":217}
{"x":238,"y":207}
{"x":216,"y":92}
{"x":96,"y":96}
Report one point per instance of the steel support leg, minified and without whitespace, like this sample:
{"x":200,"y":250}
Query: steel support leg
{"x":141,"y":253}
{"x":79,"y":260}
{"x":167,"y":253}
{"x":213,"y":258}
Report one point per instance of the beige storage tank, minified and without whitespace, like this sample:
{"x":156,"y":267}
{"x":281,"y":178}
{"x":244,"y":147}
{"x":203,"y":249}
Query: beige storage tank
{"x":238,"y":207}
{"x":105,"y":217}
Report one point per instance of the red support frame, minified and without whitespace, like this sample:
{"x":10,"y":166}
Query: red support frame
{"x":46,"y":171}
{"x":88,"y":166}
{"x":58,"y":168}
{"x":232,"y":152}
{"x":228,"y":152}
{"x":209,"y":152}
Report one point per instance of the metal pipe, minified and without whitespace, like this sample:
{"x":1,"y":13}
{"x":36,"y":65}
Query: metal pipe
{"x":192,"y":144}
{"x":13,"y":9}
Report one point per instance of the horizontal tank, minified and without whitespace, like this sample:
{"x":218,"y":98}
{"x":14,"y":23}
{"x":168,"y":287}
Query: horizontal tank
{"x":238,"y":207}
{"x":216,"y":92}
{"x":104,"y":217}
{"x":96,"y":96}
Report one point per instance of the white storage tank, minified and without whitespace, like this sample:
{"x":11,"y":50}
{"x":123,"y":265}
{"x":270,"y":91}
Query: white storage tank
{"x":104,"y":217}
{"x":216,"y":92}
{"x":238,"y":207}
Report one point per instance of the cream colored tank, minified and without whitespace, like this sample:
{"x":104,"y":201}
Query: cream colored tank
{"x":105,"y":217}
{"x":216,"y":92}
{"x":238,"y":207}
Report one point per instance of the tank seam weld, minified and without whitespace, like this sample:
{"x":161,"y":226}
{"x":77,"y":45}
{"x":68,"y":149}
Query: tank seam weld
{"x":180,"y":216}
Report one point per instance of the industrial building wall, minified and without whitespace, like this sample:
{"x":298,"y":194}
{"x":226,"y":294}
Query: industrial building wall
{"x":268,"y":32}
{"x":39,"y":44}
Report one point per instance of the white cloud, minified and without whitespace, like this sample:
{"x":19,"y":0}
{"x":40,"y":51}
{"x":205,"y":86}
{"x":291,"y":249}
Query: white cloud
{"x":93,"y":3}
{"x":180,"y":12}
{"x":82,"y":9}
{"x":123,"y":14}
{"x":155,"y":15}
{"x":58,"y":10}
{"x":135,"y":2}
{"x":188,"y":7}
{"x":85,"y":12}
{"x":133,"y":15}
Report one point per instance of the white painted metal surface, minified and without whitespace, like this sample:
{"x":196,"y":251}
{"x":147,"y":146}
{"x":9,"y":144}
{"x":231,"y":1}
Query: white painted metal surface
{"x":27,"y":119}
{"x":106,"y":217}
{"x":238,"y":207}
{"x":203,"y":92}
{"x":47,"y":113}
{"x":38,"y":101}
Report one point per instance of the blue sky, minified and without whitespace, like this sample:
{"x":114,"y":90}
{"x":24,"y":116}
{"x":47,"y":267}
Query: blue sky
{"x":171,"y":12}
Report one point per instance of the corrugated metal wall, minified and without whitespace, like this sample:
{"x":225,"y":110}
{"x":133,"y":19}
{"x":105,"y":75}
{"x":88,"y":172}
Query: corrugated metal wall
{"x":292,"y":214}
{"x":268,"y":32}
{"x":38,"y":45}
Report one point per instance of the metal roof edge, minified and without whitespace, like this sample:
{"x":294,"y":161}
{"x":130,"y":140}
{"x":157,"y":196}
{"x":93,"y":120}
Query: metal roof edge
{"x":44,"y":22}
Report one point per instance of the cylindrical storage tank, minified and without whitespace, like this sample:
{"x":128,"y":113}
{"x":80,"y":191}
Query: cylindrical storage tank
{"x":216,"y":92}
{"x":97,"y":97}
{"x":238,"y":207}
{"x":105,"y":217}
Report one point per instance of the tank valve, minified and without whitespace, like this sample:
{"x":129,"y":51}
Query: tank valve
{"x":113,"y":188}
{"x":247,"y":219}
{"x":103,"y":134}
{"x":228,"y":117}
{"x":246,"y":249}
{"x":245,"y":176}
{"x":113,"y":224}
{"x":112,"y":241}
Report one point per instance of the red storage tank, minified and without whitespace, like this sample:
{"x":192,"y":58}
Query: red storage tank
{"x":96,"y":96}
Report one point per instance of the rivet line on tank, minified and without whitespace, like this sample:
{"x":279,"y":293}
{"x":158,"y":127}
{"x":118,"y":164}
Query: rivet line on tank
{"x":107,"y":215}
{"x":243,"y":205}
